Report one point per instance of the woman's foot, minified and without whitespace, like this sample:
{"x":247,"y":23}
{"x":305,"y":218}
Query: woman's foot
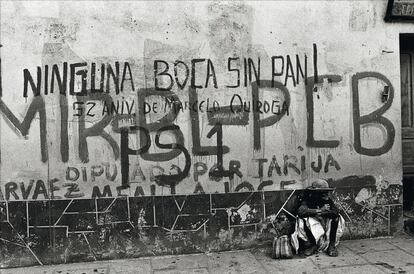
{"x":332,"y":251}
{"x":310,"y":250}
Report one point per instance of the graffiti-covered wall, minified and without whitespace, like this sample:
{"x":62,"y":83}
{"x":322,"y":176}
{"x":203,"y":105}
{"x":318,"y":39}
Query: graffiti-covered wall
{"x":142,"y":128}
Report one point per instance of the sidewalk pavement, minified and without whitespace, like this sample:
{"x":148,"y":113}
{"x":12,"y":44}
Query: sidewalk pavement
{"x":385,"y":255}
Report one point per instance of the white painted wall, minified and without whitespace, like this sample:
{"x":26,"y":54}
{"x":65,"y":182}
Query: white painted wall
{"x":351,"y":37}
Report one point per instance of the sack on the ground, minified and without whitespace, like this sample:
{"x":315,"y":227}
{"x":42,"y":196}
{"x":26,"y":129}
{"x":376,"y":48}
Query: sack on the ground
{"x":281,"y":248}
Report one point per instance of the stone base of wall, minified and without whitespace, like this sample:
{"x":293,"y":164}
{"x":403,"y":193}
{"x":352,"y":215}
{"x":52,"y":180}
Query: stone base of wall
{"x":64,"y":231}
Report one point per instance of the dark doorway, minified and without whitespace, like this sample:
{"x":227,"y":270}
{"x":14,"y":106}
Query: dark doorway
{"x":407,"y":119}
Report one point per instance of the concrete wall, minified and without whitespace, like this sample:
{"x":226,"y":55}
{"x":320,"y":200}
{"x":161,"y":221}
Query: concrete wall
{"x":80,"y":180}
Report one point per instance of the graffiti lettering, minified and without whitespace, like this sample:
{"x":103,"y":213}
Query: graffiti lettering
{"x":78,"y":70}
{"x":310,"y":89}
{"x":37,"y":105}
{"x":374,"y":117}
{"x":163,"y":84}
{"x":273,"y":119}
{"x":95,"y":130}
{"x":290,"y":72}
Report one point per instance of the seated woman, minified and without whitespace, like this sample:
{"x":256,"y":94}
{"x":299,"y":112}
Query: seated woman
{"x":319,"y":225}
